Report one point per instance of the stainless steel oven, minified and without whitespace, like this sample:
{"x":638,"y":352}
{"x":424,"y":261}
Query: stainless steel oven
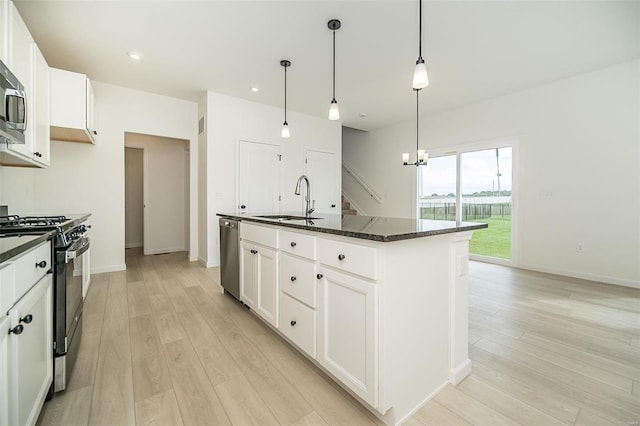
{"x":13,"y":107}
{"x":68,"y":305}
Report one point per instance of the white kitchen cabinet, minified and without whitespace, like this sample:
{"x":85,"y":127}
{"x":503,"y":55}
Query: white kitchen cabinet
{"x":348,"y":332}
{"x":40,"y":101}
{"x":298,"y":323}
{"x":26,"y":347}
{"x":259,"y":271}
{"x":73,"y":114}
{"x":27,"y":63}
{"x":4,"y":31}
{"x":30,"y":353}
{"x":4,"y":369}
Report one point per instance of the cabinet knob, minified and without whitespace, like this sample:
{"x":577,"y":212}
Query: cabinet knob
{"x":18,"y":329}
{"x":94,"y":132}
{"x":254,"y":251}
{"x":243,"y":206}
{"x":333,"y":205}
{"x":41,"y":264}
{"x":37,"y":154}
{"x":293,"y":279}
{"x":293,"y":323}
{"x":341,"y":256}
{"x":293,"y":243}
{"x":27,"y":319}
{"x":319,"y":276}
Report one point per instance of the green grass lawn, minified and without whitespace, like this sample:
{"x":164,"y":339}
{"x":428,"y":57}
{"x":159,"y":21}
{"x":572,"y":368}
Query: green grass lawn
{"x":494,"y":241}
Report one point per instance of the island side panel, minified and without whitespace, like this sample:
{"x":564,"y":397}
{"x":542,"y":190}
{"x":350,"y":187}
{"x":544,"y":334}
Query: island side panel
{"x":460,"y":364}
{"x":414,"y":319}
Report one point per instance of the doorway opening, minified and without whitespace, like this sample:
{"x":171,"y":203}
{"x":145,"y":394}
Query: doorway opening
{"x":473,"y":184}
{"x":156,"y":193}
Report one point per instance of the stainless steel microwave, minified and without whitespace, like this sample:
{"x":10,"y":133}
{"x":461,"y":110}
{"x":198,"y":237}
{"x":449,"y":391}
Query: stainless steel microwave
{"x":13,"y":111}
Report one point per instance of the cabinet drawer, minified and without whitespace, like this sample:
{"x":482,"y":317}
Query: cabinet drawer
{"x":298,"y":279}
{"x":27,"y":273}
{"x":299,"y":244}
{"x":354,"y":258}
{"x":259,"y":234}
{"x":7,"y":288}
{"x":298,"y":323}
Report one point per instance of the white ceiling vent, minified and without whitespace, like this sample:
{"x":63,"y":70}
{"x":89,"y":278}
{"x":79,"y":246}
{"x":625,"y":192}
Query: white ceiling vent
{"x":201,"y":125}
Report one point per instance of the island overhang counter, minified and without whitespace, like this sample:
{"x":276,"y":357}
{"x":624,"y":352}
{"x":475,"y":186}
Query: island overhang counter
{"x":378,"y":303}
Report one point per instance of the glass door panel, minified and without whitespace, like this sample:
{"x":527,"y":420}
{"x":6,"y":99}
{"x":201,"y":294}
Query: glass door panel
{"x":485,"y":186}
{"x":437,"y":189}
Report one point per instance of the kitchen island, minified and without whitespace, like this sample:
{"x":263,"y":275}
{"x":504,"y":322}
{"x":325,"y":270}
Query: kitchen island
{"x":380,"y":304}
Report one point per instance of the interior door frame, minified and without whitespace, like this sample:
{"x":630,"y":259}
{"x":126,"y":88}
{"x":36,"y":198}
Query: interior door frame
{"x":145,"y":191}
{"x":238,"y":164}
{"x":483,"y":145}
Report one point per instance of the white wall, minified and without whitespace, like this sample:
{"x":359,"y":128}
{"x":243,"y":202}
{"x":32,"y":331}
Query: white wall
{"x":133,"y":197}
{"x":90,"y":178}
{"x":578,"y":138}
{"x":165,"y":198}
{"x":231,"y":119}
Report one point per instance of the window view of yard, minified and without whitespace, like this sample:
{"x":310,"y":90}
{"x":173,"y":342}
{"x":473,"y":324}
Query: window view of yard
{"x":485,"y":182}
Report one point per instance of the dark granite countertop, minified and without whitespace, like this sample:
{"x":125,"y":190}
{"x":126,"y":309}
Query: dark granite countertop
{"x":75,"y":219}
{"x":16,"y":244}
{"x":375,"y":228}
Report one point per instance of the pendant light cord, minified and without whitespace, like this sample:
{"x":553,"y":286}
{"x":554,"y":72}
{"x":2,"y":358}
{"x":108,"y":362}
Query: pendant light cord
{"x":334,"y":65}
{"x":417,"y":122}
{"x":420,"y":32}
{"x":285,"y":94}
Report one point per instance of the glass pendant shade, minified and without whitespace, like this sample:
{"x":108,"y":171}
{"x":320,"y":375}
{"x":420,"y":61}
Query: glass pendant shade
{"x":420,"y":77}
{"x":334,"y":111}
{"x":285,"y":133}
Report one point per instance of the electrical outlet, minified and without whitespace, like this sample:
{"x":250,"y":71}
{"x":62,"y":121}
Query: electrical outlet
{"x":579,"y":247}
{"x":546,"y":194}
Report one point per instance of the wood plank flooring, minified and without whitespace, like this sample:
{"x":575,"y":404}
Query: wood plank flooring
{"x":163,"y":346}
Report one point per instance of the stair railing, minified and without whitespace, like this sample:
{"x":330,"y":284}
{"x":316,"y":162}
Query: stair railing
{"x":362,"y":183}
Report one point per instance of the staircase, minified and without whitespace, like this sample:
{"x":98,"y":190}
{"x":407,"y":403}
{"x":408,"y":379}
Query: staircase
{"x":346,"y":208}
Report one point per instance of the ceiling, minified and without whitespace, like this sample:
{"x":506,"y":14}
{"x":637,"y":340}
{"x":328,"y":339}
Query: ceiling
{"x":474,"y":50}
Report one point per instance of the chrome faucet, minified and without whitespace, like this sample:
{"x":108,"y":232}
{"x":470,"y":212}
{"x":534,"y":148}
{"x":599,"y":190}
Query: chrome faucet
{"x":307,"y":198}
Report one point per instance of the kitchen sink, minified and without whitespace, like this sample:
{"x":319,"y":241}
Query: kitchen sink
{"x":288,"y":217}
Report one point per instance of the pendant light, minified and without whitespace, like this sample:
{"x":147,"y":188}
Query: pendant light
{"x":285,"y":133}
{"x":420,"y":78}
{"x":334,"y":112}
{"x":421,"y":155}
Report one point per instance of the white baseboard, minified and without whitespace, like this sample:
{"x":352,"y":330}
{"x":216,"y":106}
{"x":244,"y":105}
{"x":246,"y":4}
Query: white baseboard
{"x":165,"y":250}
{"x":207,"y":264}
{"x":112,"y":268}
{"x":460,"y":372}
{"x":582,"y":276}
{"x":133,"y":245}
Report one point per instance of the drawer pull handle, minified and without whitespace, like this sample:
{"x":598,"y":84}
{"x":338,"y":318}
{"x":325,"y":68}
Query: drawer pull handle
{"x":293,"y":279}
{"x":41,"y":264}
{"x":341,"y":256}
{"x":293,"y":243}
{"x":27,"y":319}
{"x":18,"y":329}
{"x":319,"y":276}
{"x":293,"y":323}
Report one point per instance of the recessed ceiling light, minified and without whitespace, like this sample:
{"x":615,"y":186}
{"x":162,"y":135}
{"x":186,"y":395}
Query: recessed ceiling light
{"x":134,"y":55}
{"x":255,"y":89}
{"x":362,"y":115}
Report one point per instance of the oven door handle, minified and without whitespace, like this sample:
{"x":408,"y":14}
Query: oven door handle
{"x":77,"y":249}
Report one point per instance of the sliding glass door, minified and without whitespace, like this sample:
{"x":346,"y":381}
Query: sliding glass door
{"x":472,"y":185}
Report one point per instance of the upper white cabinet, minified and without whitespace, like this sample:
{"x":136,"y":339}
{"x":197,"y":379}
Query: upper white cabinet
{"x":20,"y":53}
{"x":73,"y":116}
{"x":4,"y":25}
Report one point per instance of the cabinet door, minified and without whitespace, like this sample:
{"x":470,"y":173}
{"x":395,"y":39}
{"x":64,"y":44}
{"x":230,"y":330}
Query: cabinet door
{"x":4,"y":370}
{"x":4,"y":36}
{"x":40,"y":117}
{"x":30,"y":354}
{"x":258,"y":177}
{"x":323,"y":170}
{"x":21,"y":64}
{"x":349,"y":332}
{"x":268,"y":285}
{"x":248,"y":275}
{"x":91,"y":111}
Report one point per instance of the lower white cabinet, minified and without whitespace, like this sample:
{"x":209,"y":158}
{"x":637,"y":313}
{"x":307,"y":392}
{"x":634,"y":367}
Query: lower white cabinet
{"x":259,"y":280}
{"x":29,"y":360}
{"x":348,"y":332}
{"x":298,"y":323}
{"x":4,"y":370}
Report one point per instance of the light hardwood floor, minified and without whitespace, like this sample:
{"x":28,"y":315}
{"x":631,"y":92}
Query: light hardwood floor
{"x":162,"y":346}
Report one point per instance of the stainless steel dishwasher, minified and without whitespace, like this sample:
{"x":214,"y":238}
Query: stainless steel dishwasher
{"x":230,"y":257}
